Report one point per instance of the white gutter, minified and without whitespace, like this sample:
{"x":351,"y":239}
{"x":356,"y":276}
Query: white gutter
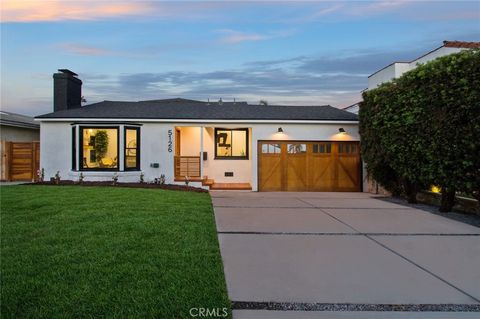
{"x":193,"y":121}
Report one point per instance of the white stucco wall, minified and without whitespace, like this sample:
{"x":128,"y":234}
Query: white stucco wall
{"x":56,"y":152}
{"x":433,"y":55}
{"x":395,"y":70}
{"x":18,"y":134}
{"x":392,"y":71}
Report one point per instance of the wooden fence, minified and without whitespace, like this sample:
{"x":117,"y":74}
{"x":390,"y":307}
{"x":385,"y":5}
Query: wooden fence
{"x":19,"y":161}
{"x":187,"y":166}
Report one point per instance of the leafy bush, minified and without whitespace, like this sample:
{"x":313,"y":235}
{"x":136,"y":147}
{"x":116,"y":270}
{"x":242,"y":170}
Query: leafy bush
{"x":423,"y":128}
{"x":101,"y":144}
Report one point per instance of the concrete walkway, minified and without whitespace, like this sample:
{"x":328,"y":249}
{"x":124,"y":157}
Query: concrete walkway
{"x":344,"y":255}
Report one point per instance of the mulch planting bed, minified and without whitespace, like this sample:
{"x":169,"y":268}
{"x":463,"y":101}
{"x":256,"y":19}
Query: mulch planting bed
{"x":131,"y":185}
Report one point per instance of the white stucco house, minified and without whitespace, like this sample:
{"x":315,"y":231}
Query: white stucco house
{"x":397,"y":69}
{"x":219,"y":145}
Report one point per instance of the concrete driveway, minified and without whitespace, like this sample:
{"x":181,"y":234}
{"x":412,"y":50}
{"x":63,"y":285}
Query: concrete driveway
{"x":344,"y":255}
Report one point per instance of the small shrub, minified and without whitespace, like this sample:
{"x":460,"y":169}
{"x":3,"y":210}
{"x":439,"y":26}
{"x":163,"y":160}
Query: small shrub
{"x":160,"y":180}
{"x":57,"y":177}
{"x":80,"y":178}
{"x":142,"y":178}
{"x":41,"y":175}
{"x":114,"y":179}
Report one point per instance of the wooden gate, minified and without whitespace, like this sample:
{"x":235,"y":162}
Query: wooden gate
{"x":20,"y":161}
{"x":309,"y":166}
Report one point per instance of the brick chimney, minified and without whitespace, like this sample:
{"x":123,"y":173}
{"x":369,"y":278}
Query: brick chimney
{"x":67,"y":90}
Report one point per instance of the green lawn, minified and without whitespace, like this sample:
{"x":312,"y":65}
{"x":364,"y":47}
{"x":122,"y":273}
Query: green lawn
{"x":107,"y":252}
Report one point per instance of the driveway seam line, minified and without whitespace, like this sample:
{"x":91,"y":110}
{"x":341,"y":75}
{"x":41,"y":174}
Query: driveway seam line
{"x":353,"y":307}
{"x":401,"y":256}
{"x":423,"y":268}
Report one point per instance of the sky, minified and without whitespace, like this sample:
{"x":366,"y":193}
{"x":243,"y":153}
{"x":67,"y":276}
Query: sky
{"x":294,"y":53}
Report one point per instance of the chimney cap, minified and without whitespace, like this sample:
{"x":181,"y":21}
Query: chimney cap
{"x":67,"y":71}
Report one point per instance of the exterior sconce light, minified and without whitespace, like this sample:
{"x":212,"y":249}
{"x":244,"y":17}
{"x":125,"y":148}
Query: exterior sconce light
{"x":280,"y":130}
{"x":342,"y":130}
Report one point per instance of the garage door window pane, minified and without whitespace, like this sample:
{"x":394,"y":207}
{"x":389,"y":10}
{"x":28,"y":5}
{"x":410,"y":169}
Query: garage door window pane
{"x":275,"y":148}
{"x":347,"y":148}
{"x":296,"y":148}
{"x":265,"y":148}
{"x":322,"y":148}
{"x":271,"y":148}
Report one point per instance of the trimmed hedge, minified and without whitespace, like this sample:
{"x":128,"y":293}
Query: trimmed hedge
{"x":423,"y":128}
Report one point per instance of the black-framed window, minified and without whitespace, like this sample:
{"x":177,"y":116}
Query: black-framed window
{"x":99,"y":148}
{"x":74,"y":148}
{"x":132,"y":148}
{"x":231,"y":143}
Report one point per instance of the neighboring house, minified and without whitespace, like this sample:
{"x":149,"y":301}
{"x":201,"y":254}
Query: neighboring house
{"x":224,"y":145}
{"x":396,"y":69}
{"x":19,"y":136}
{"x":354,"y":108}
{"x":18,"y":128}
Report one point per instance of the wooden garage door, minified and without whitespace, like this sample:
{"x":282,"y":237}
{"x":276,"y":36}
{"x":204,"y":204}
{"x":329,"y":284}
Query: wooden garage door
{"x":308,"y":166}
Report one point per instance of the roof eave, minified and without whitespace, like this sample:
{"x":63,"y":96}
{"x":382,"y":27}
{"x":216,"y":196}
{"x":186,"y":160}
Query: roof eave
{"x":253,"y":121}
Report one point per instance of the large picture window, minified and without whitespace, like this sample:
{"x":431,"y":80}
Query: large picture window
{"x":132,"y":148}
{"x":231,"y":143}
{"x":99,"y":148}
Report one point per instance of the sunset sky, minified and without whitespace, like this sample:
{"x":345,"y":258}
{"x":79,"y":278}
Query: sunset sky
{"x":284,"y":52}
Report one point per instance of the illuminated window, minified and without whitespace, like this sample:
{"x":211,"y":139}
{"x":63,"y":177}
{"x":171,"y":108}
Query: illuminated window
{"x":231,"y":143}
{"x":132,"y":148}
{"x":99,"y":148}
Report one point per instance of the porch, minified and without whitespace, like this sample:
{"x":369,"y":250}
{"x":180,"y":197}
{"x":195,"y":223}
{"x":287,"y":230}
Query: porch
{"x":219,"y":165}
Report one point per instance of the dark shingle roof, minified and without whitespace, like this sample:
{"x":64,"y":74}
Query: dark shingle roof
{"x":182,"y":109}
{"x":18,"y":120}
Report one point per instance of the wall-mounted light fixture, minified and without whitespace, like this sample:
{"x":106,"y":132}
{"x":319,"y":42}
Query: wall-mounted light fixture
{"x":280,"y":130}
{"x":342,"y":130}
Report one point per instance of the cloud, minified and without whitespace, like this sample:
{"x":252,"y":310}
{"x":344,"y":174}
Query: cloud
{"x":56,"y":10}
{"x":322,"y":12}
{"x":81,"y":49}
{"x":377,"y":7}
{"x":234,"y":37}
{"x":325,"y":79}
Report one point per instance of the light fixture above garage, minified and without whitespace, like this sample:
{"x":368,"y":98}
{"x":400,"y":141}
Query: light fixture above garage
{"x":342,"y":130}
{"x":280,"y":130}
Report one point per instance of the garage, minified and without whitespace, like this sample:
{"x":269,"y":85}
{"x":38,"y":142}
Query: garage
{"x":323,"y":166}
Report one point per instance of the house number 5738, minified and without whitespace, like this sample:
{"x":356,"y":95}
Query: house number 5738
{"x":170,"y":143}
